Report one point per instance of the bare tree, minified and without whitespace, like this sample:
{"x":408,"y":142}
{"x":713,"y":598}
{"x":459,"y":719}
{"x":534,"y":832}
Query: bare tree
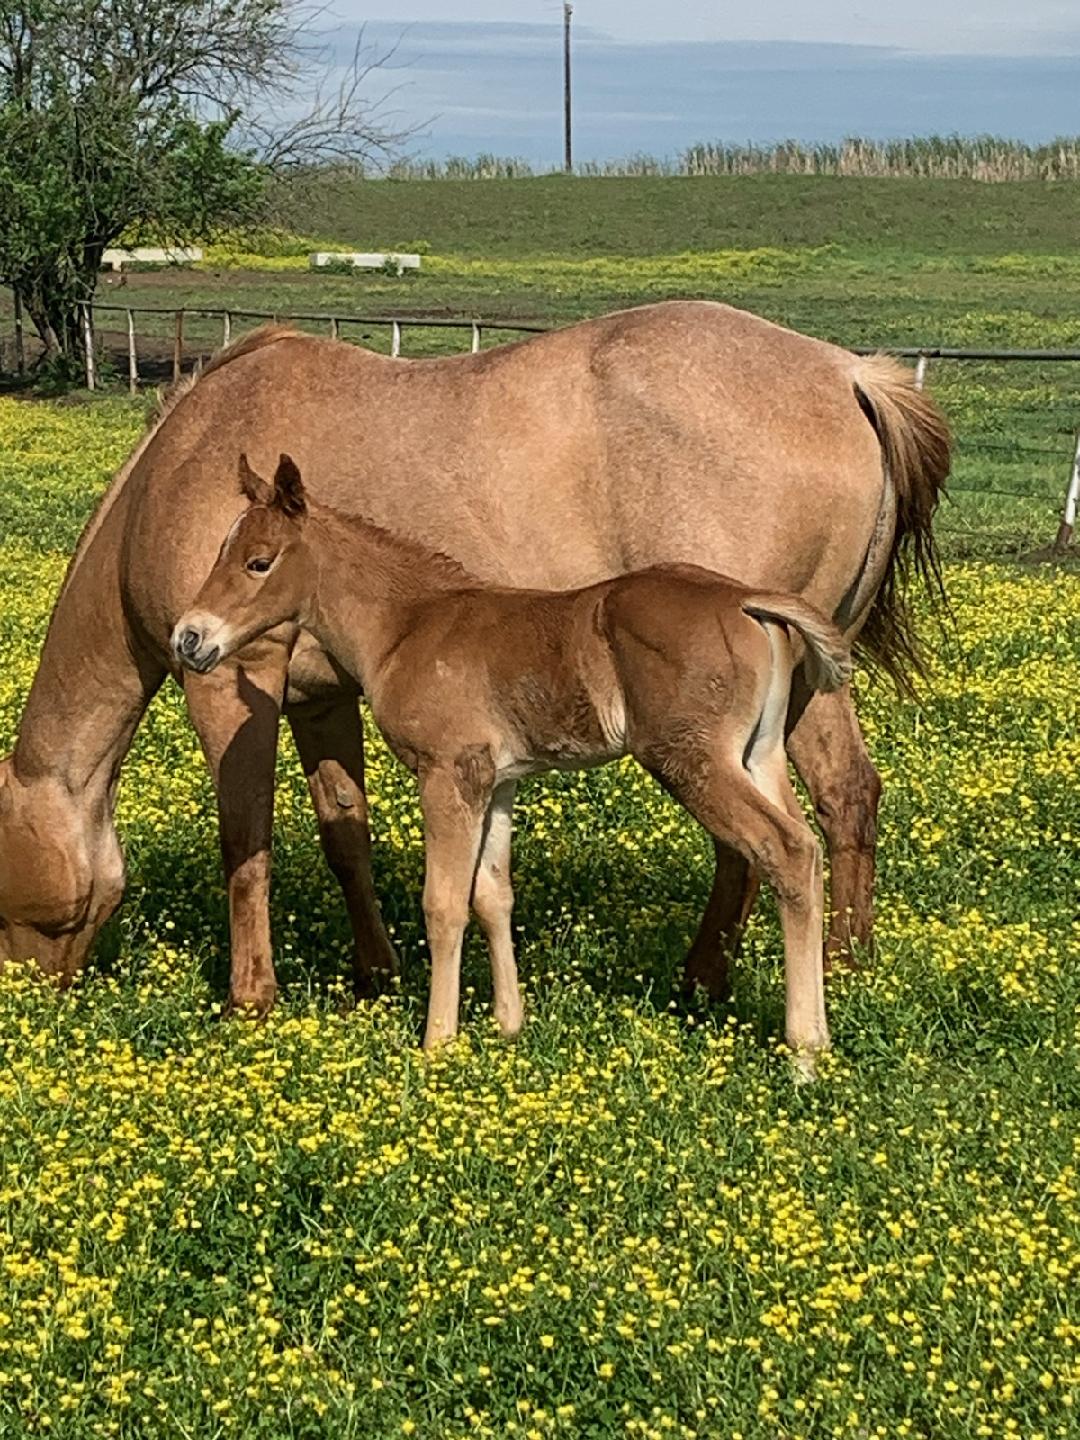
{"x":150,"y":116}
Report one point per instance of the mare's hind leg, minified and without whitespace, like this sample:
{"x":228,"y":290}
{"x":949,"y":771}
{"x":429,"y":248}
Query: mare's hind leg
{"x":716,"y":944}
{"x":830,"y":754}
{"x":235,"y":711}
{"x":330,"y":742}
{"x":493,"y":901}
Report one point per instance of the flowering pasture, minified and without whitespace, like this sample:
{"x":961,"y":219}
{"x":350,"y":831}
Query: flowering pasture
{"x":630,"y":1223}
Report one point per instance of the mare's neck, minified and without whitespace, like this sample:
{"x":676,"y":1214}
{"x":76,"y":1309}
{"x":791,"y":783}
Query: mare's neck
{"x":90,"y":689}
{"x":366,"y":582}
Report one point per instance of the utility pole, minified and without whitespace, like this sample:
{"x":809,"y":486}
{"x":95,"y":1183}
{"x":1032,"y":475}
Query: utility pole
{"x":568,"y":158}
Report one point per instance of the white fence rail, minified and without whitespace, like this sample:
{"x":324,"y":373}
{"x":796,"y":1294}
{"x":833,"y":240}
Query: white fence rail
{"x":475,"y":327}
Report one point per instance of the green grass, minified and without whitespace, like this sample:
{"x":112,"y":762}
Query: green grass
{"x":559,"y":215}
{"x":630,"y":1224}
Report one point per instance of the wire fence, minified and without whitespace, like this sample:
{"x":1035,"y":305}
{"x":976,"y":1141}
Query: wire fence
{"x":1015,"y":412}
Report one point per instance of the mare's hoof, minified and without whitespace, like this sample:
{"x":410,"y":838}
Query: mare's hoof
{"x":713,"y":983}
{"x":250,"y":1007}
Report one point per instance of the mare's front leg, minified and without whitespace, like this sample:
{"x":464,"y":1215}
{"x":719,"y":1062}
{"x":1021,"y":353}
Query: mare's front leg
{"x":330,"y":742}
{"x":829,"y":752}
{"x":235,"y":711}
{"x":455,"y":801}
{"x":493,"y":901}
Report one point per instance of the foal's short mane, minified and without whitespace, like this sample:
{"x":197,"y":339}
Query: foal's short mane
{"x":439,"y":566}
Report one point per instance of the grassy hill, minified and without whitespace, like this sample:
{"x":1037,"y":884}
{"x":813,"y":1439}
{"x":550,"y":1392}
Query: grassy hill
{"x":665,"y":215}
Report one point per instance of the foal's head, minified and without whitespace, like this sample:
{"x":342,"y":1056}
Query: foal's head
{"x":262,"y":576}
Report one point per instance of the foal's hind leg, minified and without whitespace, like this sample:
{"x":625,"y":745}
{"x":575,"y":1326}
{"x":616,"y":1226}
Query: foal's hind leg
{"x":235,"y":711}
{"x":716,"y":943}
{"x":330,"y":743}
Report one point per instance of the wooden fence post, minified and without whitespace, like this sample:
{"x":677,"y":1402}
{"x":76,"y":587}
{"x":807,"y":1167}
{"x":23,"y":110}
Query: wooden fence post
{"x":335,"y":329}
{"x":88,"y":347}
{"x":1072,"y":495}
{"x":920,"y":371}
{"x":395,"y":337}
{"x":178,"y":346}
{"x":20,"y":347}
{"x":226,"y":327}
{"x":475,"y":337}
{"x":133,"y":364}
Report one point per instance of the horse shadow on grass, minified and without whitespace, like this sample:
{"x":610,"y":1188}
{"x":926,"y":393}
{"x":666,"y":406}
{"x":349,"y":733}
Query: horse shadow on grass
{"x":621,"y":925}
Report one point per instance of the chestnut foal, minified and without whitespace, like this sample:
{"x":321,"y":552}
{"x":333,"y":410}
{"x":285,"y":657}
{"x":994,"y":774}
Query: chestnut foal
{"x":474,"y":688}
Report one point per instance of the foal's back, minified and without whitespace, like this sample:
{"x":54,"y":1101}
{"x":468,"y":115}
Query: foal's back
{"x":575,"y":677}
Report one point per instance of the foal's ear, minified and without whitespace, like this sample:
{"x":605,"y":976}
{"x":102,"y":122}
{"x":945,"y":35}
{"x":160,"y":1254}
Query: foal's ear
{"x":253,"y":487}
{"x":289,"y":495}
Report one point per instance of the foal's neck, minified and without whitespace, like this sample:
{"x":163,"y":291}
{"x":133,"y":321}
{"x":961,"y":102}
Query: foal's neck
{"x":366,"y":580}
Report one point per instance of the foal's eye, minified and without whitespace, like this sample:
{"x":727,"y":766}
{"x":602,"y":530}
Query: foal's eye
{"x":258,"y":566}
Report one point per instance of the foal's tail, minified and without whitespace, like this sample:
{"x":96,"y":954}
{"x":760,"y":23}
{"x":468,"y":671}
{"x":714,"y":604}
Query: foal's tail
{"x":828,"y":657}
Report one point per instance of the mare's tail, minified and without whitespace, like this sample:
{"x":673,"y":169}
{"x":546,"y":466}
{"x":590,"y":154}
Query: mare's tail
{"x":915,"y":451}
{"x":828,"y":656}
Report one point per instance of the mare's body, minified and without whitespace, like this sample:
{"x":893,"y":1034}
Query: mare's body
{"x":677,"y":432}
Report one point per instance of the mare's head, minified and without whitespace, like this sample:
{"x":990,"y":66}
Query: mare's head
{"x":61,"y":872}
{"x":261,"y":578}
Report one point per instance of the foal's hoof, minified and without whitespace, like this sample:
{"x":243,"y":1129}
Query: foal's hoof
{"x":804,"y":1064}
{"x":510,"y":1023}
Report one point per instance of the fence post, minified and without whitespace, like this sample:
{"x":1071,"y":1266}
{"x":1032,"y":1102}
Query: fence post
{"x":475,"y":337}
{"x":20,"y":348}
{"x":334,"y":329}
{"x":178,"y":346}
{"x":395,"y":337}
{"x":920,"y":371}
{"x":1072,"y":494}
{"x":88,"y":346}
{"x":226,"y":327}
{"x":133,"y":364}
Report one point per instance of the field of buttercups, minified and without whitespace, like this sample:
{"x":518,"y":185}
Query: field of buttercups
{"x":628,"y":1224}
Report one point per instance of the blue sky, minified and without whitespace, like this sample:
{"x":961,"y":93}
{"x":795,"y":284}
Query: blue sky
{"x":655,"y":78}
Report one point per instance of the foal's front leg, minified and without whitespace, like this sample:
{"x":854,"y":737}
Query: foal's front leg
{"x":453,"y":829}
{"x":493,"y":901}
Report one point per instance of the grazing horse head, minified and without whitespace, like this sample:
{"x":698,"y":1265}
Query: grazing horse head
{"x":61,"y":872}
{"x":258,"y":579}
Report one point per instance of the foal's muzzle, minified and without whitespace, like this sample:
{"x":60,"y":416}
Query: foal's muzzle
{"x":190,"y":648}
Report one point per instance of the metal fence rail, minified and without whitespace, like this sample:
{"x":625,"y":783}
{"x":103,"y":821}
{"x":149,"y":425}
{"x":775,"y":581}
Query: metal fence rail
{"x":335,"y":323}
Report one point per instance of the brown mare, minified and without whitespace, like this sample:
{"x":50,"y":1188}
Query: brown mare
{"x":685,"y":431}
{"x":475,"y":687}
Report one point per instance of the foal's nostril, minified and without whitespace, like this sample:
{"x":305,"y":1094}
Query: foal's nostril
{"x":189,"y":642}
